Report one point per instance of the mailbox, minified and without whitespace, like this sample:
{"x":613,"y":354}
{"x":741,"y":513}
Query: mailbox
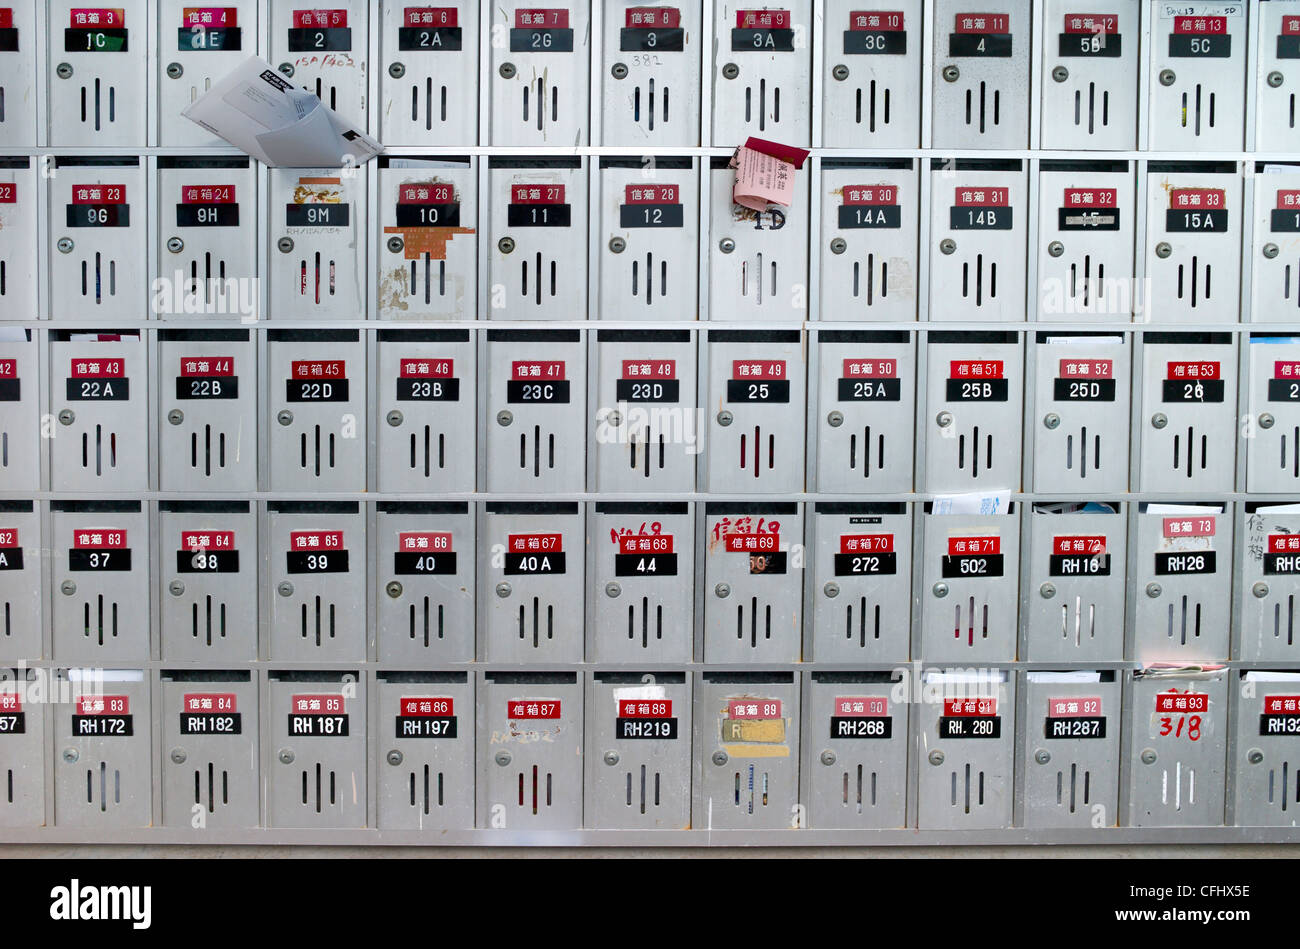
{"x":1275,"y":257}
{"x":638,"y":736}
{"x":872,"y":71}
{"x":1277,"y":47}
{"x":1268,"y":571}
{"x":100,"y":574}
{"x":981,"y":81}
{"x":20,"y":581}
{"x":209,"y":561}
{"x":97,"y":80}
{"x":316,"y":263}
{"x":102,"y":748}
{"x":1263,"y":763}
{"x":22,"y":736}
{"x":21,"y":446}
{"x":325,"y":52}
{"x":428,"y":87}
{"x":1089,"y":77}
{"x":428,"y":218}
{"x":18,"y":74}
{"x":1271,"y":431}
{"x":1198,"y":76}
{"x":19,"y":198}
{"x":762,"y":72}
{"x":651,"y":74}
{"x":539,"y":76}
{"x":197,"y":46}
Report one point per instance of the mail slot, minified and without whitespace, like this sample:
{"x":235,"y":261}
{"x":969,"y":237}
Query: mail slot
{"x":642,"y":568}
{"x":1198,"y":76}
{"x":198,"y":46}
{"x":1271,"y":431}
{"x":426,"y":410}
{"x":969,"y":585}
{"x":209,"y":565}
{"x":97,"y":226}
{"x":746,"y":752}
{"x":1073,"y":594}
{"x":649,"y":238}
{"x":855,"y":752}
{"x":23,"y":739}
{"x":753,"y":581}
{"x":872,"y":73}
{"x":862,"y":581}
{"x":207,"y":401}
{"x":96,"y":60}
{"x":19,"y":198}
{"x":317,"y":557}
{"x":981,"y":78}
{"x":209,"y":749}
{"x":531,"y":560}
{"x":21,"y":553}
{"x":638,"y":735}
{"x":428,"y":86}
{"x":428,"y":218}
{"x":325,"y":51}
{"x":1089,"y":78}
{"x":1268,"y":581}
{"x":651,"y":75}
{"x":314,"y":760}
{"x":316,"y":416}
{"x":646,"y":435}
{"x":762,"y":72}
{"x":20,"y":396}
{"x":1182,"y":587}
{"x":102,"y":748}
{"x":100,"y":563}
{"x":425,"y":584}
{"x":316,"y":261}
{"x":539,"y":76}
{"x":1176,"y":748}
{"x":968,"y":785}
{"x":1276,"y":48}
{"x":423,"y":750}
{"x":19,"y":75}
{"x":1069,"y":752}
{"x":530,"y":751}
{"x":1275,"y":257}
{"x":1266,"y":712}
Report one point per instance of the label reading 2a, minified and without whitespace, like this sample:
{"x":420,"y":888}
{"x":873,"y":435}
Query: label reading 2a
{"x":431,"y":29}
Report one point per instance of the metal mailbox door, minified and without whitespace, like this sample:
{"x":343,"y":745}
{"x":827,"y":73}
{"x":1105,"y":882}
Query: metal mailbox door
{"x":651,"y":74}
{"x":758,"y":260}
{"x":1086,"y":216}
{"x":870,"y":215}
{"x":975,"y":384}
{"x":207,"y":238}
{"x":427,"y":410}
{"x":1177,"y":748}
{"x":314,"y":763}
{"x":208,"y":441}
{"x":530,"y":751}
{"x":318,"y":591}
{"x":428,"y":222}
{"x":317,"y":261}
{"x":536,"y":411}
{"x":324,"y":51}
{"x":425,"y":763}
{"x":97,"y":227}
{"x":1198,"y":76}
{"x":981,"y":81}
{"x":762,"y":72}
{"x":649,"y":238}
{"x":539,"y":74}
{"x":1182,"y":590}
{"x":1069,"y":752}
{"x":642,"y":565}
{"x":1090,"y":74}
{"x":426,"y":602}
{"x":969,"y":586}
{"x":20,"y":580}
{"x":100,"y":573}
{"x":196,"y":47}
{"x":537,"y":232}
{"x":1268,"y":582}
{"x":318,"y":426}
{"x":967,"y":786}
{"x":531,"y":570}
{"x":18,"y":74}
{"x":22,"y":738}
{"x":855,"y":752}
{"x":1193,"y":257}
{"x":746,"y":774}
{"x":753,"y":582}
{"x":872,"y":74}
{"x":978,"y":216}
{"x":102,"y":745}
{"x":1263,"y":764}
{"x":210,"y":755}
{"x":638,"y":734}
{"x":19,"y":197}
{"x":97,"y":80}
{"x":1189,"y":406}
{"x":865,"y":413}
{"x":1078,"y":428}
{"x":1272,"y":438}
{"x":1073,"y":594}
{"x":1275,"y":251}
{"x":862,"y":582}
{"x":646,"y":436}
{"x":21,"y":444}
{"x":756,"y":409}
{"x":428,"y":88}
{"x":1277,"y":46}
{"x":208,"y":580}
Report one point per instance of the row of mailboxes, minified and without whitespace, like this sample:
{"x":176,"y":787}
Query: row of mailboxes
{"x":646,"y":77}
{"x":628,"y":581}
{"x":730,"y":750}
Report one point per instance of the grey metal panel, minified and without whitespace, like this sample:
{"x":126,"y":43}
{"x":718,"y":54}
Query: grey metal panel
{"x":1089,"y":79}
{"x":316,"y":259}
{"x":21,"y":554}
{"x":871,"y":79}
{"x":22,"y":75}
{"x":1193,"y":241}
{"x":768,"y":90}
{"x":981,"y":73}
{"x":1271,"y":417}
{"x":1267,"y":719}
{"x":102,"y":749}
{"x":969,"y":586}
{"x":429,"y":91}
{"x":542,"y":99}
{"x":1268,"y":582}
{"x":979,"y":218}
{"x":22,"y":738}
{"x":1197,"y":91}
{"x":96,"y":102}
{"x":654,"y":99}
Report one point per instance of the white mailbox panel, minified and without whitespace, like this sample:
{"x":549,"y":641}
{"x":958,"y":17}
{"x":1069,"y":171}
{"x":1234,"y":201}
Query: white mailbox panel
{"x":539,"y":76}
{"x":1278,"y":47}
{"x":97,"y":81}
{"x":21,"y":445}
{"x":21,"y":556}
{"x":317,"y":253}
{"x":1086,"y":216}
{"x":197,"y":46}
{"x":1198,"y":76}
{"x":872,"y":64}
{"x":18,"y":74}
{"x":1275,"y":252}
{"x":102,"y":740}
{"x":324,"y":51}
{"x":970,"y":586}
{"x":1090,"y":74}
{"x":1193,"y":255}
{"x":651,"y":74}
{"x":762,"y":72}
{"x":428,"y":87}
{"x":1263,"y":765}
{"x":1271,"y":420}
{"x":981,"y":79}
{"x":1268,"y":582}
{"x":19,"y":197}
{"x":97,"y":235}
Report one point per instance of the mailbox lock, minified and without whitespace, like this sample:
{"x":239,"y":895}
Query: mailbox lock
{"x":175,"y":416}
{"x":176,"y":588}
{"x":284,"y":417}
{"x":725,"y":418}
{"x":1266,"y":420}
{"x":951,"y":73}
{"x":286,"y":68}
{"x":1159,"y":420}
{"x":67,"y":588}
{"x":1154,"y":590}
{"x":175,"y":245}
{"x":1270,"y":251}
{"x":722,"y":591}
{"x":1060,"y":73}
{"x":835,"y":419}
{"x":943,"y":419}
{"x":394,"y":757}
{"x":839,"y":245}
{"x":730,"y":71}
{"x":63,"y":70}
{"x":506,"y":245}
{"x":947,"y":246}
{"x":1163,"y":250}
{"x":284,"y":244}
{"x":507,"y":70}
{"x":940,"y":589}
{"x":840,"y":72}
{"x":1055,"y":249}
{"x":502,"y":757}
{"x":1047,"y":590}
{"x":614,"y":418}
{"x":1051,"y":420}
{"x":1148,"y":756}
{"x":70,"y":755}
{"x":611,"y":758}
{"x":394,"y":418}
{"x":505,"y":417}
{"x":178,"y":755}
{"x":828,"y":757}
{"x":393,"y":589}
{"x":719,"y":758}
{"x":1254,"y":756}
{"x":285,"y":756}
{"x":395,"y":244}
{"x":618,"y":70}
{"x":612,"y":589}
{"x":396,"y":70}
{"x":1260,"y":590}
{"x":285,"y":588}
{"x":1167,"y":77}
{"x":1274,"y":79}
{"x":175,"y":70}
{"x":726,"y":245}
{"x":67,"y":416}
{"x":617,"y":245}
{"x":936,"y":757}
{"x":832,"y":589}
{"x":1042,"y":756}
{"x":503,"y":589}
{"x":65,"y":245}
